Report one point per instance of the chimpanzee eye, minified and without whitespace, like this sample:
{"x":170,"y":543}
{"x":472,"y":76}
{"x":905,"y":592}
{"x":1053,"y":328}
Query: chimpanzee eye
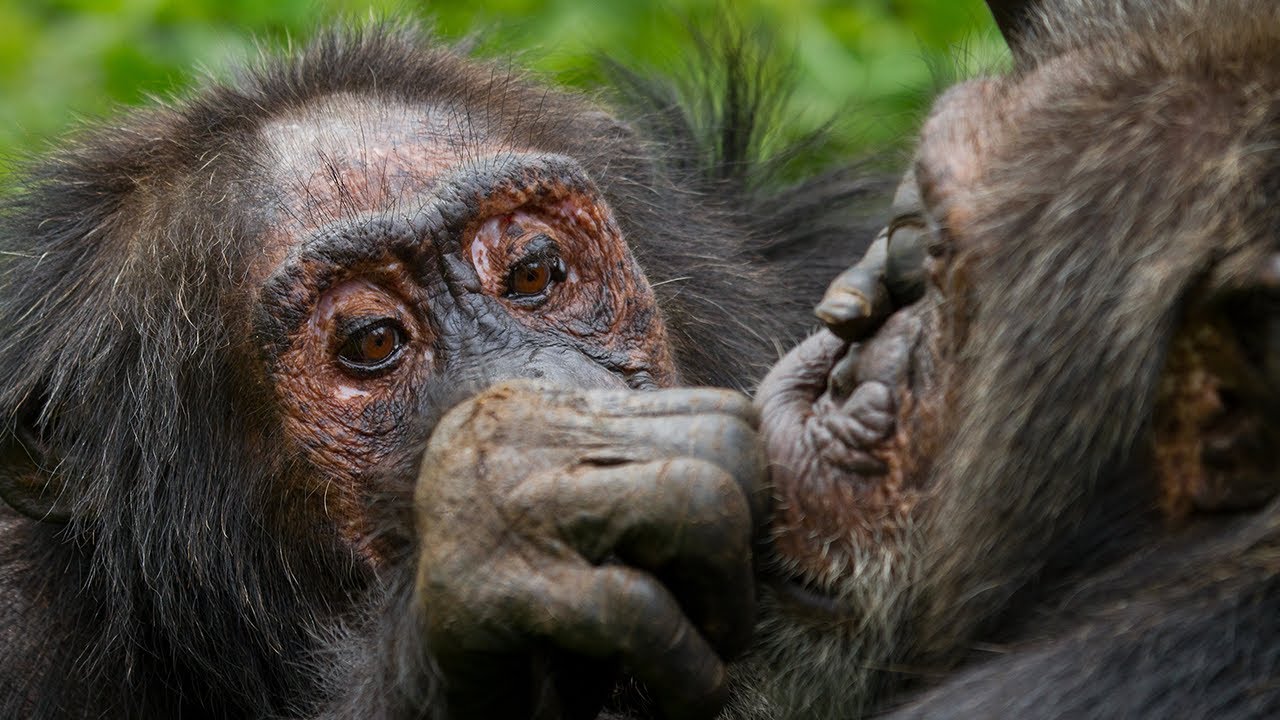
{"x":533,"y":275}
{"x":372,"y":347}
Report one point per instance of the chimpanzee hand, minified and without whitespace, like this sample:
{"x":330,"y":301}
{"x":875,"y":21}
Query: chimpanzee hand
{"x":830,"y":408}
{"x":890,"y":275}
{"x":831,"y":402}
{"x":563,"y":531}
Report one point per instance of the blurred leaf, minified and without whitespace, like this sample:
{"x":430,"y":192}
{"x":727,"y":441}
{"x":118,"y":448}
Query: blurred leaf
{"x":870,"y":64}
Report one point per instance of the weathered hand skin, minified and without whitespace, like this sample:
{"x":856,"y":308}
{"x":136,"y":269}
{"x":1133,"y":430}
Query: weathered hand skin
{"x":838,"y":409}
{"x":833,"y":417}
{"x":604,"y":524}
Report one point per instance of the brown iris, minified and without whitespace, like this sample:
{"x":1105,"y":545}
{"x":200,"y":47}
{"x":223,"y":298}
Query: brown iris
{"x":533,"y":276}
{"x":531,"y":279}
{"x":369,"y":348}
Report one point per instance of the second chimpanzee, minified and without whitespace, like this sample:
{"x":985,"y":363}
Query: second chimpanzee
{"x":229,"y":328}
{"x":1048,"y":488}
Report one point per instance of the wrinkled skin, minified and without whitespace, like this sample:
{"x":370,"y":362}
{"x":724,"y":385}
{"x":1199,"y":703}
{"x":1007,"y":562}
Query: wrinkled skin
{"x":264,"y":446}
{"x":511,"y":266}
{"x":848,"y":412}
{"x":607,"y":525}
{"x":1036,"y":473}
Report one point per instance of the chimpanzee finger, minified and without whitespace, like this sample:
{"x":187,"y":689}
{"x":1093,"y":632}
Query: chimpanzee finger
{"x":786,"y":395}
{"x":682,"y":519}
{"x":857,"y":301}
{"x":607,"y":428}
{"x":722,"y":441}
{"x":617,"y":611}
{"x":904,"y":267}
{"x":663,"y":403}
{"x":908,"y":236}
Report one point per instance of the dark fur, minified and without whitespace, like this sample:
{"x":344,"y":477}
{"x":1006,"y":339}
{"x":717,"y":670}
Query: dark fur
{"x":1087,"y":211}
{"x":122,"y":262}
{"x":1094,"y":245}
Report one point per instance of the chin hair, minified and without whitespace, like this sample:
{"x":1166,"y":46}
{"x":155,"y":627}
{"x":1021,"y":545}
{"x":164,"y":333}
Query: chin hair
{"x":804,"y":665}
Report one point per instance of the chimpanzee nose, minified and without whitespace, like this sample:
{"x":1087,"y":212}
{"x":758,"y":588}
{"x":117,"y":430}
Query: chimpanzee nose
{"x":555,"y":364}
{"x":495,"y":354}
{"x":486,"y":341}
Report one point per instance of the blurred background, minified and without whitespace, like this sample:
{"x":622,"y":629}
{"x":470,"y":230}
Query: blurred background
{"x":871,"y":65}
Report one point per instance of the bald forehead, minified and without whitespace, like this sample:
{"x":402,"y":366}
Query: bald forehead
{"x":348,"y":124}
{"x":342,"y":155}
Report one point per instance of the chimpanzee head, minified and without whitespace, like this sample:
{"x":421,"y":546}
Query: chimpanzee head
{"x":222,"y":318}
{"x":1086,"y":361}
{"x":405,"y":251}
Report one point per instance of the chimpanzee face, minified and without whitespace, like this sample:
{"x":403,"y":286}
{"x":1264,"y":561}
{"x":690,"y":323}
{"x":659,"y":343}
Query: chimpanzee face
{"x":409,"y":251}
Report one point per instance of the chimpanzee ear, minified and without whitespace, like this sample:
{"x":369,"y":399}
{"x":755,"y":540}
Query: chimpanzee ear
{"x":28,"y":483}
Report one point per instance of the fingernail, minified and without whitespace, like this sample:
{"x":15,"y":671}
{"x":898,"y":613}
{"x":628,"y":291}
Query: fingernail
{"x":842,"y":306}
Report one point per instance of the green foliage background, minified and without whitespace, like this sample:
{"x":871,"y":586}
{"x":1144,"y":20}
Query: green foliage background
{"x":871,"y":64}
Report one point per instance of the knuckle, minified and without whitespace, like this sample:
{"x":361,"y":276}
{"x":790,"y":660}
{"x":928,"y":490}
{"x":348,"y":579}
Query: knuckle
{"x":730,"y":402}
{"x":737,"y":437}
{"x":628,"y":600}
{"x":688,"y":474}
{"x":716,"y":502}
{"x":715,"y":434}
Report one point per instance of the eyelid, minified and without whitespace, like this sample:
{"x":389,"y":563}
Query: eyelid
{"x":349,"y":327}
{"x":348,"y":332}
{"x":539,"y":247}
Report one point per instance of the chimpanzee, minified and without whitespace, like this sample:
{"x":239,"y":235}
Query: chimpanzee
{"x":1047,"y":487}
{"x":264,"y":451}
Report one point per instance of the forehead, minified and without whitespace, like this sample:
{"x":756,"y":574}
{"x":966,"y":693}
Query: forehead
{"x":344,"y":155}
{"x":1085,"y":123}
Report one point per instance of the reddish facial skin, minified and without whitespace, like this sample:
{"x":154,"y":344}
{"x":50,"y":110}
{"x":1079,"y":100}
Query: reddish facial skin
{"x":619,"y":307}
{"x":345,"y":419}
